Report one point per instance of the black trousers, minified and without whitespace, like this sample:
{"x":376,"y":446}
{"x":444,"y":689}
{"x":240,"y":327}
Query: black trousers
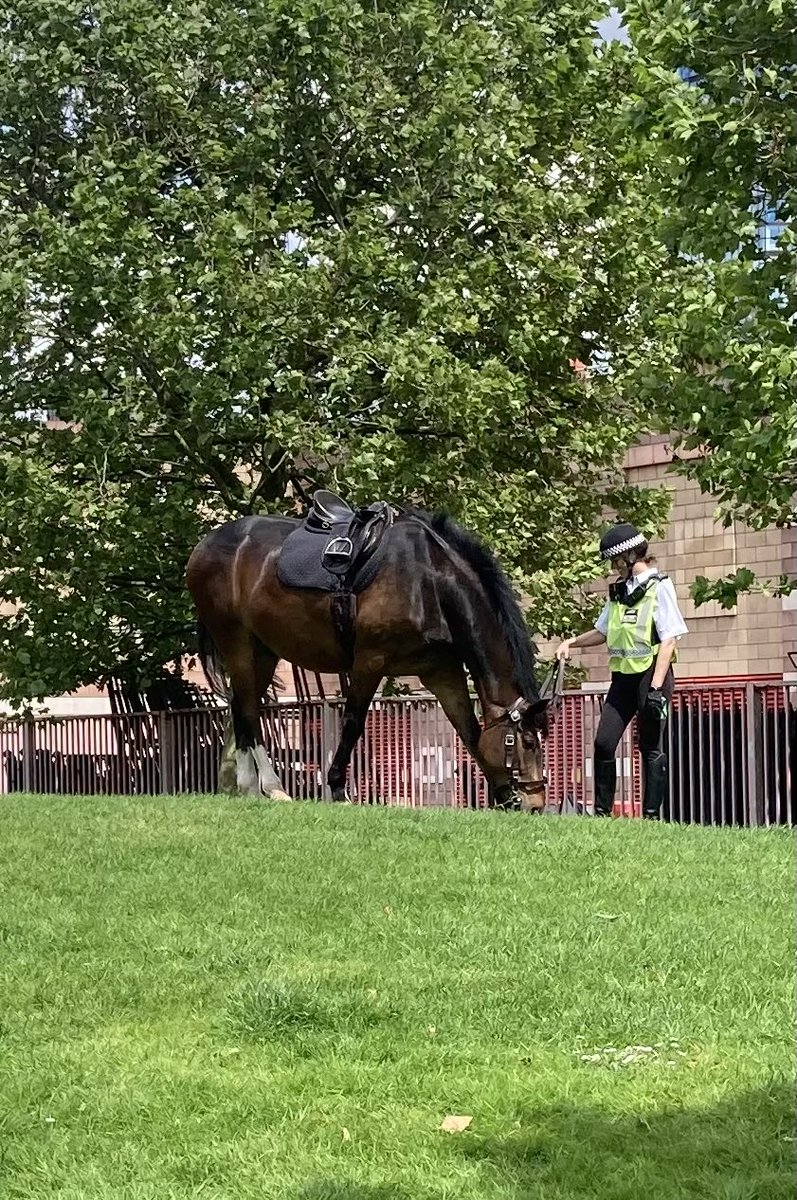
{"x":625,"y":700}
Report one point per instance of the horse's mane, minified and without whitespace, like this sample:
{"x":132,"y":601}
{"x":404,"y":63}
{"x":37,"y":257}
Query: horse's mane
{"x":500,"y":594}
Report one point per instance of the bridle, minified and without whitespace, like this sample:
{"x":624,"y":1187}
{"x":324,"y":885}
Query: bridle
{"x":514,"y":715}
{"x":551,"y":690}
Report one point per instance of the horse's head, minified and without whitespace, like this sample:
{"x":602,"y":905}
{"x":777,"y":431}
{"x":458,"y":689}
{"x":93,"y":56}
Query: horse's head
{"x":510,"y":750}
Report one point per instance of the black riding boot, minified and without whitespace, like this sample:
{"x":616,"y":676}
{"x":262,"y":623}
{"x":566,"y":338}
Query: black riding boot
{"x":605,"y":786}
{"x":656,"y":784}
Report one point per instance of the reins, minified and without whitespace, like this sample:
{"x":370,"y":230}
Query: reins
{"x":553,"y":684}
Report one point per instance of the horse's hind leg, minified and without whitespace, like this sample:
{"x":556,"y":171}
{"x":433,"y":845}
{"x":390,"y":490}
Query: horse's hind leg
{"x":251,"y":668}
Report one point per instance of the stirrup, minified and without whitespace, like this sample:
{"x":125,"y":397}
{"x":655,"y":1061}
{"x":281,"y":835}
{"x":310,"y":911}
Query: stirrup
{"x":337,"y":556}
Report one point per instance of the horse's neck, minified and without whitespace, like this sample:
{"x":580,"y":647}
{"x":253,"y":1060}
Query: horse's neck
{"x":495,"y":688}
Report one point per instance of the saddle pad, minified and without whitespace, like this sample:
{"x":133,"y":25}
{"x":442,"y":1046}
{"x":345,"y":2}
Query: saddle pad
{"x":299,"y":564}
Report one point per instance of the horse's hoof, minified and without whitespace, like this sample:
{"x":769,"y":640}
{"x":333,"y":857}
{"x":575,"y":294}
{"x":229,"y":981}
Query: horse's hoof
{"x":278,"y":795}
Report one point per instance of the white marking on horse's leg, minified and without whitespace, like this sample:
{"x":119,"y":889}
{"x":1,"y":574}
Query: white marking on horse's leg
{"x":246,"y":773}
{"x":268,"y":779}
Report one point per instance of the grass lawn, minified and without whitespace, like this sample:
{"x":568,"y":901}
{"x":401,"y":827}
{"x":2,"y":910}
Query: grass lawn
{"x":221,"y":999}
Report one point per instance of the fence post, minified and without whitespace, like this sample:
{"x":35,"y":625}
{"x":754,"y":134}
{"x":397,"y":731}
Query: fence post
{"x":165,"y":753}
{"x":755,"y":812}
{"x":28,"y":753}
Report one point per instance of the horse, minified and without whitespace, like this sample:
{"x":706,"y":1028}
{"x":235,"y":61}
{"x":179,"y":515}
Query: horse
{"x":440,"y":605}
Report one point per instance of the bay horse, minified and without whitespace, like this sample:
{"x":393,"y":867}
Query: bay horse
{"x":439,"y":605}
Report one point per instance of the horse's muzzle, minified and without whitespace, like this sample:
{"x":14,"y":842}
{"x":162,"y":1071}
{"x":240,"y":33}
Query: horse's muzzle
{"x":521,"y":797}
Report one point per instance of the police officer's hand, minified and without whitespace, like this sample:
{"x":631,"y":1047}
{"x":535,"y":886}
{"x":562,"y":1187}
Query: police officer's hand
{"x":563,"y":652}
{"x":656,"y":704}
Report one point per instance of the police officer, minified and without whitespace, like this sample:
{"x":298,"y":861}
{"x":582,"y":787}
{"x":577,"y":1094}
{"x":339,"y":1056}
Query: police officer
{"x":641,"y":624}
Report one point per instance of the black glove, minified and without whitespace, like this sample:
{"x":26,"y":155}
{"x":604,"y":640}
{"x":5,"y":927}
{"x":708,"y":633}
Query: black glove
{"x":656,"y":705}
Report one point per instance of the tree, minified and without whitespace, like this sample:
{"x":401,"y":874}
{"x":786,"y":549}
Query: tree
{"x":251,"y":251}
{"x":715,"y":102}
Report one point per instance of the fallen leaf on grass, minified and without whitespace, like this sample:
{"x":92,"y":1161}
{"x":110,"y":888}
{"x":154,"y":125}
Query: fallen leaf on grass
{"x":344,"y":1133}
{"x":454,"y":1124}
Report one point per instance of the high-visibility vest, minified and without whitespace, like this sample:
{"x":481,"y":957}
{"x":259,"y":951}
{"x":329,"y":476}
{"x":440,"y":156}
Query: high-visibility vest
{"x":630,"y":635}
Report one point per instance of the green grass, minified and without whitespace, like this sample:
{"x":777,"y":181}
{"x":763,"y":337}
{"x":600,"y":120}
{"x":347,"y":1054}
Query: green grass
{"x":221,"y":999}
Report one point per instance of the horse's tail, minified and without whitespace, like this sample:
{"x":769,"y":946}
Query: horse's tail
{"x":211,"y":662}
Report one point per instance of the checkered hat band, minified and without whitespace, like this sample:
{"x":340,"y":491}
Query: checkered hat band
{"x":621,"y":547}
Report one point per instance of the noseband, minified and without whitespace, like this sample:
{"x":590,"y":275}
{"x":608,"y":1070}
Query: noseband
{"x":514,"y":715}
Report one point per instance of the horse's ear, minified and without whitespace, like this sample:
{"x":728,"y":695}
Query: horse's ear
{"x":535,"y":708}
{"x":535,"y":717}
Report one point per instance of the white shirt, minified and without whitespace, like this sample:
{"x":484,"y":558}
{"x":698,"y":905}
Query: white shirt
{"x":667,"y":616}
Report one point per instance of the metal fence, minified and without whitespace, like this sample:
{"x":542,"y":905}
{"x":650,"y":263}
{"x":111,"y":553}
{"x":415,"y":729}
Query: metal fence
{"x":732,"y":747}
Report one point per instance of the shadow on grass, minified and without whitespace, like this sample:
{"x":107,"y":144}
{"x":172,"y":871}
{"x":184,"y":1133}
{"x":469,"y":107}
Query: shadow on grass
{"x":739,"y":1150}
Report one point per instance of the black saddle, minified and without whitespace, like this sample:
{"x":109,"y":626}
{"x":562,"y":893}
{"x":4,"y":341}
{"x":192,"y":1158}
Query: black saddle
{"x":329,"y":509}
{"x":337,"y":547}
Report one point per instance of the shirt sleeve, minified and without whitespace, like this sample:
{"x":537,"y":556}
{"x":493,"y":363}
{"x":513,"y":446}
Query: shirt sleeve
{"x":667,"y":616}
{"x":602,"y":623}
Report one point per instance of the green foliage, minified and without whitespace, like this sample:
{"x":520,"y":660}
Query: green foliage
{"x":726,"y":590}
{"x":248,"y":250}
{"x":722,"y":155}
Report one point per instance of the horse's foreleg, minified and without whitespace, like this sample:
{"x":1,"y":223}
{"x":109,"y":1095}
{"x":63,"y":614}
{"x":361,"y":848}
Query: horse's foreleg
{"x":450,"y":686}
{"x":360,"y":695}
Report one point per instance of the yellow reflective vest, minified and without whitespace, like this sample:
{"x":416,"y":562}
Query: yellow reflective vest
{"x":630,"y":635}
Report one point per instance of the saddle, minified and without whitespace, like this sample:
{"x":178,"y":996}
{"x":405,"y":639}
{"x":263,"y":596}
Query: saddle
{"x":337,"y":548}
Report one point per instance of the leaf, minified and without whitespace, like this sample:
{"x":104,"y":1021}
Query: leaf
{"x":455,"y":1124}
